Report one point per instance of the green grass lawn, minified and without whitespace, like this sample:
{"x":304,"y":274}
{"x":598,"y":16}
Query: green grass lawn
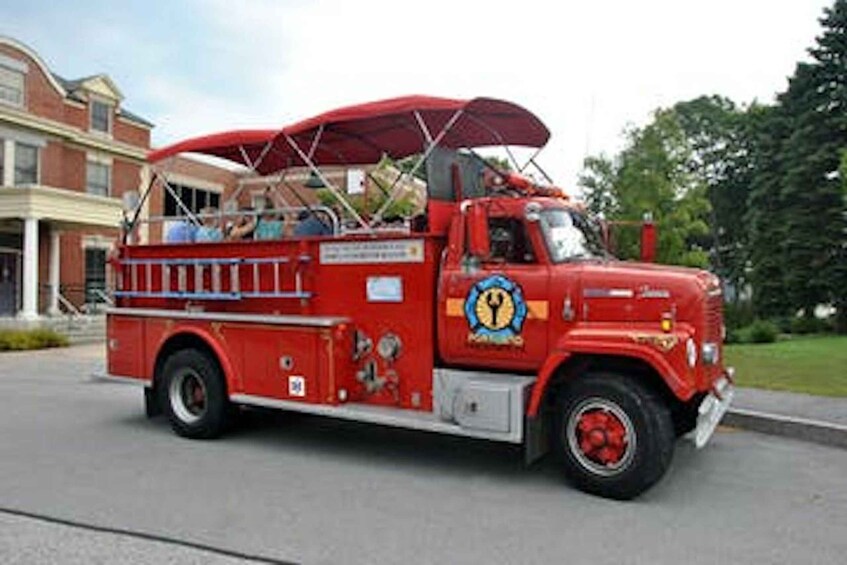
{"x":814,"y":365}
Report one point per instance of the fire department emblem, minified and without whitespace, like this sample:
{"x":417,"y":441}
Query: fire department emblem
{"x":495,"y":310}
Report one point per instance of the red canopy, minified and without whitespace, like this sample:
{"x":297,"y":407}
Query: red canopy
{"x":362,"y":133}
{"x":226,"y":145}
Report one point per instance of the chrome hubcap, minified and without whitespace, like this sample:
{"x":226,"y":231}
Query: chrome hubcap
{"x":188,"y":396}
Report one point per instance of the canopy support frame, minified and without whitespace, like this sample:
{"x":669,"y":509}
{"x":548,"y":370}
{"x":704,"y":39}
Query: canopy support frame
{"x":430,"y":146}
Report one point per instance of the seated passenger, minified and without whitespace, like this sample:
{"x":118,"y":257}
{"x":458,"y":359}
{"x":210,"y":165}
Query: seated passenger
{"x":243,"y":227}
{"x":210,"y":230}
{"x":310,"y":224}
{"x":269,"y":225}
{"x":181,"y":231}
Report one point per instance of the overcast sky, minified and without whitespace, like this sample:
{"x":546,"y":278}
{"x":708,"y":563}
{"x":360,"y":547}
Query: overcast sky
{"x":587,"y":69}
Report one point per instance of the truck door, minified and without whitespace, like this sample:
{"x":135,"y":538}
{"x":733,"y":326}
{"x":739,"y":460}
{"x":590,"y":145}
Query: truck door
{"x":495,"y":312}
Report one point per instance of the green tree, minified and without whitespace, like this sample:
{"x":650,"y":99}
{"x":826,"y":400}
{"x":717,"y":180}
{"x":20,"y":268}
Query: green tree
{"x":766,"y":213}
{"x":816,"y":105}
{"x":719,"y":134}
{"x":652,"y":176}
{"x":598,"y":182}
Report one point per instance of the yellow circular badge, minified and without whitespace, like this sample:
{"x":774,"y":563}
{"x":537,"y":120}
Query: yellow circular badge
{"x":495,"y":308}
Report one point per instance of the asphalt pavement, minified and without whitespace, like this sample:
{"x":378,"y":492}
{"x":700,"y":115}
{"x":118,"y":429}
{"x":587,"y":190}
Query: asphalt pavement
{"x":82,"y":470}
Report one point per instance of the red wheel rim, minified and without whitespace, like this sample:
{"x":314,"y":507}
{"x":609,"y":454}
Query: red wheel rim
{"x":601,"y":436}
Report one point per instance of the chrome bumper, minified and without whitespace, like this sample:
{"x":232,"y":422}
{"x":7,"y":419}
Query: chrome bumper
{"x":712,"y":409}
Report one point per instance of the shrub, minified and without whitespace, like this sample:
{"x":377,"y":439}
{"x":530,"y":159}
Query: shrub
{"x":804,"y":325}
{"x":738,"y":314}
{"x":733,"y":336}
{"x":783,"y":323}
{"x":761,"y":331}
{"x":22,"y":340}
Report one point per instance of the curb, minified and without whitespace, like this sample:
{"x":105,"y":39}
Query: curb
{"x":815,"y":431}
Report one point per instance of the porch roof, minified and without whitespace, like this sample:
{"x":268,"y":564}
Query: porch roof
{"x":69,"y":208}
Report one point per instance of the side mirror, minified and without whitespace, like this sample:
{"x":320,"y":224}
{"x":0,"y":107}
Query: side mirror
{"x":648,"y":241}
{"x":477,"y":232}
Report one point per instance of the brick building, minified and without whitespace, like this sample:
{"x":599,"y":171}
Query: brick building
{"x":73,"y":161}
{"x":71,"y":155}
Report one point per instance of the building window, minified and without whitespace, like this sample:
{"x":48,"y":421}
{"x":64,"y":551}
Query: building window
{"x":97,"y":178}
{"x":101,"y":114}
{"x":11,"y":87}
{"x":195,"y":199}
{"x":26,"y":164}
{"x":95,"y":275}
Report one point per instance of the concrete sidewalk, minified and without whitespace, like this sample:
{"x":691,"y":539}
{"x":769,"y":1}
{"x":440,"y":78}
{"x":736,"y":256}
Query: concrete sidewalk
{"x":801,"y":416}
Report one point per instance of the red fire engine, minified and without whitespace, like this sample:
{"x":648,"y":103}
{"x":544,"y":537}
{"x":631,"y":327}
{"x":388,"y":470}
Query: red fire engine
{"x":500,"y":315}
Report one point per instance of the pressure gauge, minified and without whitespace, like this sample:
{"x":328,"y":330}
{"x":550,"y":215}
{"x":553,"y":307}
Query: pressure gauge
{"x":389,"y":347}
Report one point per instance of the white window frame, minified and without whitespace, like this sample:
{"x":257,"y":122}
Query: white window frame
{"x":37,"y":163}
{"x":100,"y":242}
{"x":88,"y":186}
{"x":258,"y":199}
{"x":102,"y":160}
{"x":4,"y":164}
{"x":110,"y":116}
{"x":11,"y":65}
{"x":10,"y":137}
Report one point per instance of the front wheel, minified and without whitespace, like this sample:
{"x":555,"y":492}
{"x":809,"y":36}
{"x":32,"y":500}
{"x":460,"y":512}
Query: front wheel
{"x":193,"y":395}
{"x":614,"y":436}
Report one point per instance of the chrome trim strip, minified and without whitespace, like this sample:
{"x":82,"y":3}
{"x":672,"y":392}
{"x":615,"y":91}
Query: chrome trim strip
{"x":280,"y":320}
{"x":654,"y":293}
{"x":608,"y":293}
{"x":393,"y":417}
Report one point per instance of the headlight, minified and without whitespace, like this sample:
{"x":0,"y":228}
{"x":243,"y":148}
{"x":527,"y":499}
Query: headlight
{"x":711,"y":353}
{"x":691,"y":352}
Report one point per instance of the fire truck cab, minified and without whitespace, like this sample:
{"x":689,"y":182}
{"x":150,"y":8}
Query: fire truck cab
{"x":501,"y":317}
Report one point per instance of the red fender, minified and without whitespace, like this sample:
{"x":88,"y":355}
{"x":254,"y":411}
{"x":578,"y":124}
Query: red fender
{"x":214,"y":345}
{"x":553,"y":362}
{"x":681,"y":388}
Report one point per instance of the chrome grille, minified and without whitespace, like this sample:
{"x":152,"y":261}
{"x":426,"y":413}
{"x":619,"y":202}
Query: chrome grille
{"x":714,"y":317}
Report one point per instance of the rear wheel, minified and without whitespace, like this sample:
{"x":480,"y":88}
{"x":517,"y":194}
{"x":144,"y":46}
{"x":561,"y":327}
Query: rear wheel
{"x":614,"y":436}
{"x":193,"y":395}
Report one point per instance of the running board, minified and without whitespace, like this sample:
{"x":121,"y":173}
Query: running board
{"x":382,"y":415}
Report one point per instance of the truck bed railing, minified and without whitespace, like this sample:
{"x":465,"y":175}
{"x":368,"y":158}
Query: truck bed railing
{"x":211,"y":278}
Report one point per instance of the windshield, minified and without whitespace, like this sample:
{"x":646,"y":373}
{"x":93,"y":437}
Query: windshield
{"x":570,"y":236}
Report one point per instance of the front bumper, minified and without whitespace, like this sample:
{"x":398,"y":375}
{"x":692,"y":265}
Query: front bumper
{"x":712,"y":409}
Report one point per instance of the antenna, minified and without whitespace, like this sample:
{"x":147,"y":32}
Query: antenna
{"x":589,"y":126}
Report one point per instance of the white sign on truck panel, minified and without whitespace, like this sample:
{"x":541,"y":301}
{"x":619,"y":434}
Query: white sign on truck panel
{"x":361,"y":252}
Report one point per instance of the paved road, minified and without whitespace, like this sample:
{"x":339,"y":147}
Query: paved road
{"x":302,"y":489}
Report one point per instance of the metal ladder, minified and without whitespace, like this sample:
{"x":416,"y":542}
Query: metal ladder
{"x":141,"y":277}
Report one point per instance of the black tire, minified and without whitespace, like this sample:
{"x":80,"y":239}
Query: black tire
{"x":614,"y":436}
{"x":193,"y":395}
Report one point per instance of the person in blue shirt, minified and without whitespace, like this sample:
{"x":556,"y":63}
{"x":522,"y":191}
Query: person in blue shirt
{"x":269,"y":225}
{"x":182,"y":231}
{"x":210,"y":231}
{"x":310,"y":224}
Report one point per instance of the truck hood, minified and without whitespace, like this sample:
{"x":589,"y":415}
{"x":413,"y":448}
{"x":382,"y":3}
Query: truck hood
{"x":618,"y":291}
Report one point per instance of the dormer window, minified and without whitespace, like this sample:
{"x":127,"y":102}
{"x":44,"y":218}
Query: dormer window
{"x":101,"y":117}
{"x":11,"y":86}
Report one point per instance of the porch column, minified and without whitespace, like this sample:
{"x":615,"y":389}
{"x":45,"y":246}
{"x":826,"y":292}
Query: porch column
{"x":55,"y":264}
{"x":30,"y":272}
